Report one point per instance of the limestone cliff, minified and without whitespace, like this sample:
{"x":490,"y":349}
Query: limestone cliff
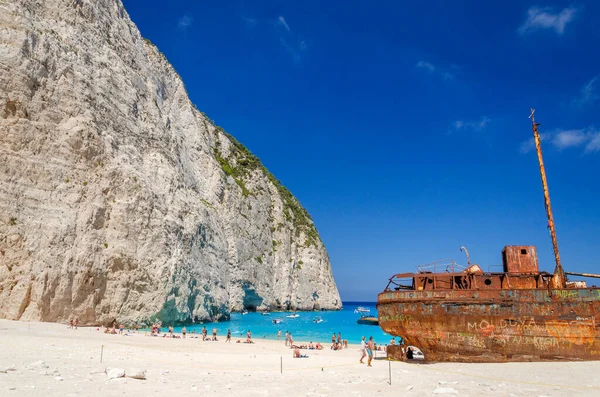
{"x":118,"y":198}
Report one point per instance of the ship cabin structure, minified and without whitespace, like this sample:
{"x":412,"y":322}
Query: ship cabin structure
{"x":520,"y":270}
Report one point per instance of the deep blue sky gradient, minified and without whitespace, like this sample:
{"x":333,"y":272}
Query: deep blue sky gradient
{"x":399,"y":126}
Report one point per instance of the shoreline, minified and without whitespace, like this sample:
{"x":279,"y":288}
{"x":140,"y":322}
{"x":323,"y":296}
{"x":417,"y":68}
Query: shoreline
{"x":51,"y":360}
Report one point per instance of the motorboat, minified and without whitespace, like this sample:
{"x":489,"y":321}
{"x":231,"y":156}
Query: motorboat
{"x":361,"y":309}
{"x":317,"y":320}
{"x":277,"y":321}
{"x":265,"y":313}
{"x":367,"y":320}
{"x":244,"y":312}
{"x":293,"y":315}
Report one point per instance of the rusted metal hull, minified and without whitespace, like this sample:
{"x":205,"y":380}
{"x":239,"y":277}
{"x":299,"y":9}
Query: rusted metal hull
{"x":496,"y":325}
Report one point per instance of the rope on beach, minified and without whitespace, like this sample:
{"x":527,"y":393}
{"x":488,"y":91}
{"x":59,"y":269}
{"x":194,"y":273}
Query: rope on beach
{"x":524,"y":382}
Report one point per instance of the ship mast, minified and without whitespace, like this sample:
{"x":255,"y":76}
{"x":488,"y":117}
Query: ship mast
{"x":559,"y":278}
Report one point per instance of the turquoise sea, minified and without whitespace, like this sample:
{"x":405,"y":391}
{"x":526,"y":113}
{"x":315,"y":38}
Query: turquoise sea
{"x":303,"y":328}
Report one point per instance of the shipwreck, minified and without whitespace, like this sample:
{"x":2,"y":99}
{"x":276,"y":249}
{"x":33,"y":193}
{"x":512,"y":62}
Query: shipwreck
{"x":519,"y":314}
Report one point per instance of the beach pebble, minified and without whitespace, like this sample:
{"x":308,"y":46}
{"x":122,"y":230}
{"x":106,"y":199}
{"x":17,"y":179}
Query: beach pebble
{"x":135,"y":373}
{"x":114,"y":373}
{"x":12,"y":388}
{"x":444,"y":390}
{"x":409,"y":387}
{"x":443,"y":382}
{"x":38,"y":365}
{"x":59,"y":378}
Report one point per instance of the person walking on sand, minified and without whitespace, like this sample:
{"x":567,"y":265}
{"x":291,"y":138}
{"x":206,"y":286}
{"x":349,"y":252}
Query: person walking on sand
{"x":370,"y":351}
{"x":228,"y":339}
{"x":278,"y":334}
{"x":183,"y":331}
{"x":214,"y":338}
{"x":363,"y":350}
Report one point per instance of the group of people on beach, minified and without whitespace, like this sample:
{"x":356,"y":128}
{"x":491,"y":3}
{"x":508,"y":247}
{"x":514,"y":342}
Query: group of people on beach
{"x":337,"y":343}
{"x":367,"y":347}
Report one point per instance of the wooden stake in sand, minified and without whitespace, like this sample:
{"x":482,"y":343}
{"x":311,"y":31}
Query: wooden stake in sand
{"x":390,"y":368}
{"x":281,"y":364}
{"x":101,"y":352}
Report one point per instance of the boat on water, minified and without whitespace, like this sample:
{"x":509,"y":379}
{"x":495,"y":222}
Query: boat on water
{"x":266,"y":313}
{"x":367,"y":320}
{"x":519,"y":314}
{"x":293,"y":315}
{"x":244,"y":312}
{"x":361,"y":309}
{"x":317,"y":320}
{"x":277,"y":321}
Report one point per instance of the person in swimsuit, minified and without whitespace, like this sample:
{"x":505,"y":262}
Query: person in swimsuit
{"x":370,"y":351}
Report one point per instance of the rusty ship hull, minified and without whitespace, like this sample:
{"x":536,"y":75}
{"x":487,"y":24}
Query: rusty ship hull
{"x":495,"y":325}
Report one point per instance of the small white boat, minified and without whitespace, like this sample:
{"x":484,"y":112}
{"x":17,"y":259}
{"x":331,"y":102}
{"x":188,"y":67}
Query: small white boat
{"x":317,"y":320}
{"x":277,"y":321}
{"x":293,"y":315}
{"x":244,"y":312}
{"x":265,"y":313}
{"x":361,"y":309}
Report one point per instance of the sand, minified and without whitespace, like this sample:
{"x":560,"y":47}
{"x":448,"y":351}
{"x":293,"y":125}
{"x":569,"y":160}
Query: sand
{"x":45,"y":359}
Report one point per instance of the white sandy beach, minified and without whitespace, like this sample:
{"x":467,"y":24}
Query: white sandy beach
{"x":45,"y":359}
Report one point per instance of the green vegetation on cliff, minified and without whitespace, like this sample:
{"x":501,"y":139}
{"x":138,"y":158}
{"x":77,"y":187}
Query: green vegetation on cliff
{"x":246,"y":163}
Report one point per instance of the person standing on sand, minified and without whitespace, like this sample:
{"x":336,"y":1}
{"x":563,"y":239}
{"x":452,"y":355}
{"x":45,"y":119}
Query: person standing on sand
{"x":228,"y":339}
{"x":278,"y":334}
{"x":183,"y":331}
{"x":370,"y":351}
{"x":363,"y":349}
{"x":214,"y":338}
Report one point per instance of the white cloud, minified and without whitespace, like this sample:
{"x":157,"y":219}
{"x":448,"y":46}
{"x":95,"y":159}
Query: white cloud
{"x":569,"y":138}
{"x":588,"y":138}
{"x":477,"y":125}
{"x":593,"y":144}
{"x":250,"y":22}
{"x":426,"y":65}
{"x":436,"y":70}
{"x":587,"y":94}
{"x":283,"y":23}
{"x":547,"y":18}
{"x":292,"y":42}
{"x":185,"y":22}
{"x":293,"y":53}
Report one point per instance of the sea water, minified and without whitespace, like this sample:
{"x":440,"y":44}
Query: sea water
{"x":303,"y":328}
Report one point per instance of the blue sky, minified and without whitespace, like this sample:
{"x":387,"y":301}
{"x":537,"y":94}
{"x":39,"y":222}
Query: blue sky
{"x":402,"y":127}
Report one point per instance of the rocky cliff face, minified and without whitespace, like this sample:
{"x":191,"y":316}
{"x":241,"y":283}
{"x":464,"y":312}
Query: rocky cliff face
{"x":118,"y":198}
